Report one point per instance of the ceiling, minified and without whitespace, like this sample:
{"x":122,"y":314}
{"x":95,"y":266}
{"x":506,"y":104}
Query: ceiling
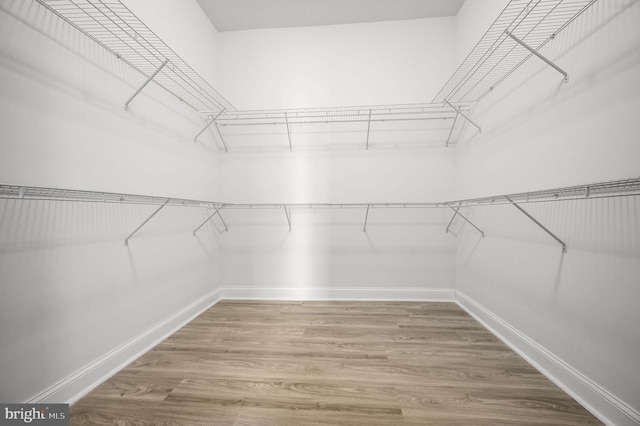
{"x":235,"y":15}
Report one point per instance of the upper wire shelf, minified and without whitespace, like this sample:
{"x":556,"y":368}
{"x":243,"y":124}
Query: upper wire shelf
{"x":523,"y":27}
{"x":112,"y":25}
{"x":346,"y":114}
{"x":497,"y":55}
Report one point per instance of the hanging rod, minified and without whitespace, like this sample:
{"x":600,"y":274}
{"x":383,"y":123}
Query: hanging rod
{"x":497,"y":55}
{"x":617,"y":188}
{"x":114,"y":27}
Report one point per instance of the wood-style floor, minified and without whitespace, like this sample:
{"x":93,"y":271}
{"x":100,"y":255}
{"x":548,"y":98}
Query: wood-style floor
{"x":330,"y":363}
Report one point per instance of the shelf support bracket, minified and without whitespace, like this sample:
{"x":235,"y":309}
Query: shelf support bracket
{"x":126,"y":240}
{"x":226,"y":228}
{"x":217,"y":212}
{"x":151,"y":77}
{"x":564,"y":246}
{"x":535,"y":52}
{"x":195,"y":139}
{"x":220,"y":136}
{"x":459,"y":111}
{"x":368,"y":131}
{"x":286,"y":120}
{"x":366,"y":217}
{"x":456,"y":211}
{"x":451,"y":131}
{"x":286,"y":212}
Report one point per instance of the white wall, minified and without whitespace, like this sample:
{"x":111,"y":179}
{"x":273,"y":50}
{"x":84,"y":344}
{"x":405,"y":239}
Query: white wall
{"x":472,"y":21}
{"x":355,"y":64}
{"x":537,"y":134}
{"x":326,"y":254}
{"x":72,"y":293}
{"x":327,"y":249}
{"x":405,"y":254}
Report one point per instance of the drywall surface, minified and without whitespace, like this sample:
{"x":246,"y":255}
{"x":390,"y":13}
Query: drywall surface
{"x":359,"y":64}
{"x":539,"y":133}
{"x":355,"y":64}
{"x":70,"y":290}
{"x":327,"y":249}
{"x":353,"y":176}
{"x":473,"y":19}
{"x":327,"y":253}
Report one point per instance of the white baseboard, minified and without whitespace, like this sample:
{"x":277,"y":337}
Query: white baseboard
{"x":600,"y":402}
{"x":364,"y":294}
{"x":89,"y":377}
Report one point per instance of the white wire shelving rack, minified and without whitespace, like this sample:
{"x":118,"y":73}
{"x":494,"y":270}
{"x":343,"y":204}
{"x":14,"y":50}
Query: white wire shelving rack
{"x":347,"y":114}
{"x":617,"y":188}
{"x":370,"y":116}
{"x":113,"y":26}
{"x":520,"y":31}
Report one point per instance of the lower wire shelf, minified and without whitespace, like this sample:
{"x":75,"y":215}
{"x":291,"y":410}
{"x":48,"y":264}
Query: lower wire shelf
{"x":616,"y":188}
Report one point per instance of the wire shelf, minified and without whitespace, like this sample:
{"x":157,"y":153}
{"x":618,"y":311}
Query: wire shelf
{"x":617,"y":188}
{"x":496,"y":55}
{"x":112,"y":25}
{"x":15,"y":192}
{"x":346,"y":114}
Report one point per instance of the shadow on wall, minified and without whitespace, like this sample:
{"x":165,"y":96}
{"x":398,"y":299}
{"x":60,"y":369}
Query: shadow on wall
{"x":602,"y":237}
{"x":591,"y":31}
{"x":71,"y":291}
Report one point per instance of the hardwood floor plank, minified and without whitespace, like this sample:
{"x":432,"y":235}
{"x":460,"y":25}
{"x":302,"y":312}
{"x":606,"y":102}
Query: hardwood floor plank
{"x":339,"y":363}
{"x":286,"y":417}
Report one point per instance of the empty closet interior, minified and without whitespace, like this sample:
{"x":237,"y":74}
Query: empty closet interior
{"x":152,"y":165}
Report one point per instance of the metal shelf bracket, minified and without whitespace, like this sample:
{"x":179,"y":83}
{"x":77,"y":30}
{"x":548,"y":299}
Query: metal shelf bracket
{"x":535,"y":52}
{"x":457,"y":212}
{"x":564,"y":246}
{"x":366,"y":217}
{"x":459,"y":111}
{"x":220,"y":136}
{"x":286,"y":212}
{"x":151,"y":77}
{"x":452,"y":127}
{"x":126,"y":240}
{"x":286,"y":120}
{"x":195,"y":139}
{"x":368,"y":131}
{"x":217,"y":212}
